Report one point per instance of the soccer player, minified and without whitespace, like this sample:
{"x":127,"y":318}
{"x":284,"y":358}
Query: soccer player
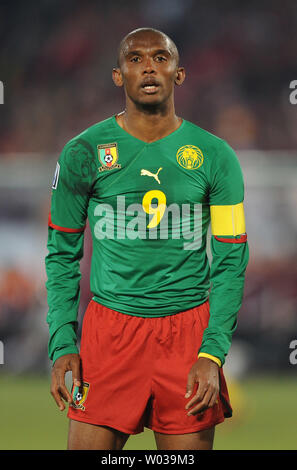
{"x":159,"y":326}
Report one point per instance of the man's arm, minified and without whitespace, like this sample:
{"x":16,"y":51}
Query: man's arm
{"x":65,"y":251}
{"x":67,"y":219}
{"x":230,"y":257}
{"x":227,"y":274}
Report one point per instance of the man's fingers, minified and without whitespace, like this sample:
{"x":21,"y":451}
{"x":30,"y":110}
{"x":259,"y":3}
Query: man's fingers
{"x":203,"y":404}
{"x":58,"y":400}
{"x":205,"y":373}
{"x":55,"y":393}
{"x":59,"y":388}
{"x":190,"y":385}
{"x":202,"y":389}
{"x":214,"y":399}
{"x":198,"y":395}
{"x":59,"y":391}
{"x":63,"y":391}
{"x":76,"y":372}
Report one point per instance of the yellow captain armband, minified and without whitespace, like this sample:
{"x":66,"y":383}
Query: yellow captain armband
{"x":209,"y":356}
{"x":227,"y":220}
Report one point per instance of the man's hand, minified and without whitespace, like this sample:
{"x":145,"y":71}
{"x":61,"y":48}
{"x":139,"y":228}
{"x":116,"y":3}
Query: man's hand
{"x":58,"y":388}
{"x":205,"y":372}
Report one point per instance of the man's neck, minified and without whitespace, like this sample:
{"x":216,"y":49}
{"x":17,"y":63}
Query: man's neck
{"x":148,"y":126}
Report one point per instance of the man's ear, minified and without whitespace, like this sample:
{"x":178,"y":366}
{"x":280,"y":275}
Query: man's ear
{"x":117,"y":77}
{"x":180,"y":76}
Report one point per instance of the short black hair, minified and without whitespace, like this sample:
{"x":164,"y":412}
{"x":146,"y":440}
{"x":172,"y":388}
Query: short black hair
{"x":147,"y":30}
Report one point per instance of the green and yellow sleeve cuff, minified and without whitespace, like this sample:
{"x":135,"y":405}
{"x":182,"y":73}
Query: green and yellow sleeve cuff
{"x":209,"y":356}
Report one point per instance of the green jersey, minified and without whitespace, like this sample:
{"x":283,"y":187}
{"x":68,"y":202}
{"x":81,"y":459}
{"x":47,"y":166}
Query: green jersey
{"x":149,"y":207}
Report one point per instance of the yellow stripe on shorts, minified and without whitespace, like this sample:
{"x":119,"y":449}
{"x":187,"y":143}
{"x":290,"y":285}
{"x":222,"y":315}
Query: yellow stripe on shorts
{"x":227,"y":220}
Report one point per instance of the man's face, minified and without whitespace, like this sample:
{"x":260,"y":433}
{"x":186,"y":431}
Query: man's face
{"x":148,"y":68}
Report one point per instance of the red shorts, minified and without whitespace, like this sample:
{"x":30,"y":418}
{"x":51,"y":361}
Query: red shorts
{"x":135,"y":372}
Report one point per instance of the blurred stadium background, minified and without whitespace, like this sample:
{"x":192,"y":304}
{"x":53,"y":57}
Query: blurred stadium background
{"x":55,"y":63}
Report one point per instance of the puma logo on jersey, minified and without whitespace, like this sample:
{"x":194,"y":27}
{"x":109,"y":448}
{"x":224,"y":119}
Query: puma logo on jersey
{"x":148,"y":173}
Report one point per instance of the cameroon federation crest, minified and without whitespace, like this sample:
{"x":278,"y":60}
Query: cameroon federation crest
{"x":79,"y":396}
{"x":108,"y":156}
{"x":189,"y":157}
